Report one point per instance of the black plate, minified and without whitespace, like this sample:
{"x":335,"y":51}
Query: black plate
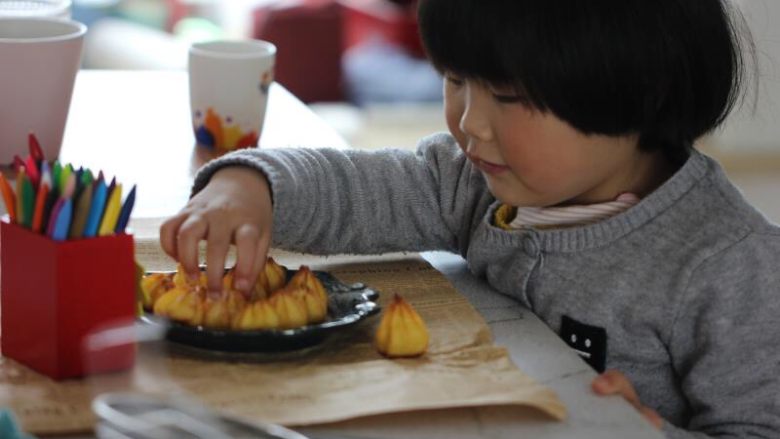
{"x":347,"y":305}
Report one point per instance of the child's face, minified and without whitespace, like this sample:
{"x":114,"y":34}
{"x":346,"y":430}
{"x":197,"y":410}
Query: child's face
{"x":532,"y":158}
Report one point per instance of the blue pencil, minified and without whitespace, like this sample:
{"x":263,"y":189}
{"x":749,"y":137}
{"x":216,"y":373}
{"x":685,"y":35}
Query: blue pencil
{"x":62,"y":223}
{"x":96,"y":210}
{"x":53,"y":215}
{"x":124,"y":215}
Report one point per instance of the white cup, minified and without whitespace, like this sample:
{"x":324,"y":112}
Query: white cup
{"x":40,"y":58}
{"x":229,"y":82}
{"x":35,"y":8}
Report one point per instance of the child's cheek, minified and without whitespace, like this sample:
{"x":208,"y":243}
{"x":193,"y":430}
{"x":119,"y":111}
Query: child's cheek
{"x":453,"y":125}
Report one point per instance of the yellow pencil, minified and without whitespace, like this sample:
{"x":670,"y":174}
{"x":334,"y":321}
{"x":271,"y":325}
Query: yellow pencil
{"x":111,"y":214}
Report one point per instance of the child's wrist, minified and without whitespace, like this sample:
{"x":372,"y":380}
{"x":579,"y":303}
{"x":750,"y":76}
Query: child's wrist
{"x":243,"y":175}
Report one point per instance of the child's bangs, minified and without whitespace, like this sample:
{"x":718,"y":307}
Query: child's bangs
{"x":668,"y":70}
{"x":460,"y":38}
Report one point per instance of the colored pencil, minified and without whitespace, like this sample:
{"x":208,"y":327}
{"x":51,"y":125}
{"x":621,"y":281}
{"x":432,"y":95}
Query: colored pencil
{"x":48,"y":206}
{"x":21,"y":176}
{"x":124,"y":215}
{"x":69,"y":189}
{"x":96,"y":210}
{"x":8,"y":197}
{"x":67,"y":170}
{"x":81,"y":213}
{"x":55,"y":214}
{"x":32,"y":171}
{"x":111,"y":215}
{"x":87,"y":178}
{"x":56,"y":171}
{"x":46,"y":174}
{"x":40,"y":203}
{"x":35,"y":148}
{"x":27,"y":197}
{"x":62,"y":222}
{"x":18,"y":163}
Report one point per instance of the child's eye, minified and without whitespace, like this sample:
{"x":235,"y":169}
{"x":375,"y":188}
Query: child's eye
{"x":510,"y":99}
{"x":508,"y":95}
{"x":454,"y":80}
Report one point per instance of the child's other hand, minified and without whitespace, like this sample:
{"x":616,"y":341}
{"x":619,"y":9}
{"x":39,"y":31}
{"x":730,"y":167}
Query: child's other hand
{"x":234,"y":207}
{"x":613,"y":382}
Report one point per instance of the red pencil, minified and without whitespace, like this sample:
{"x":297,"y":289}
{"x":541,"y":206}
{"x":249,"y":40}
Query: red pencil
{"x":35,"y":148}
{"x":32,"y":171}
{"x":18,"y":163}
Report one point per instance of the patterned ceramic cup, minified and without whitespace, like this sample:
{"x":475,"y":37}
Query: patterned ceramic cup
{"x":229,"y":82}
{"x":40,"y":57}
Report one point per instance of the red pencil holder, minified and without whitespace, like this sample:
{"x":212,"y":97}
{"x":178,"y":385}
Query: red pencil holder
{"x":54,"y":294}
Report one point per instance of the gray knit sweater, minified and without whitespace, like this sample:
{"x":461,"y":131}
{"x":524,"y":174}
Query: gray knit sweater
{"x":681,"y":292}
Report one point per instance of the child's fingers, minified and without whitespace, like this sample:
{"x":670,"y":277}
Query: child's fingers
{"x":261,"y":254}
{"x":260,"y":259}
{"x":216,"y":252}
{"x":168,"y":232}
{"x":246,"y":239}
{"x":191,"y":231}
{"x":652,"y":416}
{"x":613,"y":382}
{"x":262,"y":250}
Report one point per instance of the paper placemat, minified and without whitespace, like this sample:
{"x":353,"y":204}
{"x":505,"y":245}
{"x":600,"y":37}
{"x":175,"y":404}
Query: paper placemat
{"x":340,"y":379}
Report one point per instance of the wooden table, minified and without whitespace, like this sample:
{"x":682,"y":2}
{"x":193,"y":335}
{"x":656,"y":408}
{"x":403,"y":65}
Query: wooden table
{"x":137,"y":124}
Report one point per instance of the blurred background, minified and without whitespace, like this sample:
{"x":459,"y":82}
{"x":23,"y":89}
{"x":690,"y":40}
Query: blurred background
{"x":360,"y":66}
{"x":358,"y":63}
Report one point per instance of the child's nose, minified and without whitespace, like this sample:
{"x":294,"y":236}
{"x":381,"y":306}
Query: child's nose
{"x":474,"y":121}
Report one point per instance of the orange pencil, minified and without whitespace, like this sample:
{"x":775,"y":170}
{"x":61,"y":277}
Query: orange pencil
{"x":40,"y":201}
{"x":8,"y":197}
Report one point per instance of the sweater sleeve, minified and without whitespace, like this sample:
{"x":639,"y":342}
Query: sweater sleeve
{"x":724,"y":343}
{"x":366,"y":202}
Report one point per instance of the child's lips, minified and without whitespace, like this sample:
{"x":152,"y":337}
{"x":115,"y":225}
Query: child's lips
{"x":488,"y":167}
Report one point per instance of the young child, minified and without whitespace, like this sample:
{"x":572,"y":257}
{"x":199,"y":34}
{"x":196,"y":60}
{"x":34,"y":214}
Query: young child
{"x":569,"y":182}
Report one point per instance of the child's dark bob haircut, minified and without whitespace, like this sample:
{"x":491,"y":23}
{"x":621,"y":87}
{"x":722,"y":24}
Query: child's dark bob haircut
{"x":667,"y":70}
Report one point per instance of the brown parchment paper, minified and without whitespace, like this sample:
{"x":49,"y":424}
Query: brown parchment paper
{"x":342,"y":378}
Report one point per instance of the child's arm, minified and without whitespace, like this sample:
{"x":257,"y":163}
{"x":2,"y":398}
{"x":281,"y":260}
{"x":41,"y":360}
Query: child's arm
{"x":330,"y":201}
{"x":369,"y":202}
{"x":724,"y":342}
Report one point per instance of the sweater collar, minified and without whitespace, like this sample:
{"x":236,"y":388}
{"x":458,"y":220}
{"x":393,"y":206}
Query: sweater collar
{"x":598,"y":234}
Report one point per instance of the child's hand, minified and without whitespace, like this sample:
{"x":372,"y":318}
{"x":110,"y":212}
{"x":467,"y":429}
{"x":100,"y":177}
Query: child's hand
{"x":235,"y":206}
{"x":613,"y":382}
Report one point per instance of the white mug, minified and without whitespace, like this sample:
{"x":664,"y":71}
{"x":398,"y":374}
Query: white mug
{"x":40,"y":58}
{"x":35,"y":8}
{"x":229,"y":84}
